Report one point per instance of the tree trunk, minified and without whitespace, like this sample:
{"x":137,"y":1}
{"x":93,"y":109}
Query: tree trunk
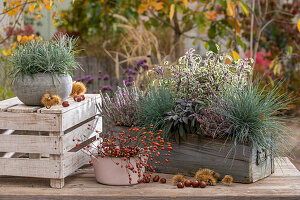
{"x":177,"y":37}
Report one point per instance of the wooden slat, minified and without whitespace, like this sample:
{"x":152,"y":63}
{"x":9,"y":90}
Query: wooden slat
{"x":79,"y":114}
{"x":43,"y":168}
{"x":22,"y":108}
{"x":82,"y":132}
{"x":29,"y":121}
{"x":30,"y":144}
{"x":5,"y":104}
{"x":83,"y":186}
{"x":73,"y":105}
{"x":73,"y":161}
{"x":202,"y":152}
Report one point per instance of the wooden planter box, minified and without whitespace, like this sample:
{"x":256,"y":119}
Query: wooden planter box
{"x":198,"y":152}
{"x":46,"y":135}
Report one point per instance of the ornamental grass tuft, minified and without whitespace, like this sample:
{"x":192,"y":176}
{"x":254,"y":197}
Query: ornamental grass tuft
{"x":38,"y":56}
{"x":154,"y":106}
{"x":255,"y":117}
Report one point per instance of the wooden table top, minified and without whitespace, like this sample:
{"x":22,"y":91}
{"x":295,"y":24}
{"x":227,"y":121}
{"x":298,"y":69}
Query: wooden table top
{"x":283,"y":184}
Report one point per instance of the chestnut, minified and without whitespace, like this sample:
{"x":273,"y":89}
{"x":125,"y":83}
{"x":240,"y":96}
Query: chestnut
{"x":77,"y":98}
{"x":65,"y":104}
{"x":195,"y":184}
{"x":187,"y":183}
{"x":180,"y":185}
{"x":202,"y":184}
{"x":163,"y":180}
{"x":156,"y":178}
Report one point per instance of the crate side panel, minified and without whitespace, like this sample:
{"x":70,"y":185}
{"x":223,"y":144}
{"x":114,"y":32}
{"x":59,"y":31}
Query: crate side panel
{"x":29,"y":121}
{"x":30,"y":144}
{"x":5,"y":104}
{"x":40,"y":168}
{"x":73,"y":161}
{"x":79,"y":114}
{"x":261,"y":165}
{"x":73,"y":105}
{"x":83,"y":133}
{"x":200,"y":152}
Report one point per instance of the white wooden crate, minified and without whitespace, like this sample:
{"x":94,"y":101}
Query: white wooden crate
{"x":41,"y":131}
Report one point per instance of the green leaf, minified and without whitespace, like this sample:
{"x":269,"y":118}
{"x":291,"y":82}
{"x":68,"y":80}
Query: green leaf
{"x":177,"y":136}
{"x":212,"y":31}
{"x":241,"y":43}
{"x":181,"y":130}
{"x":223,"y":4}
{"x":212,"y":46}
{"x":154,"y":21}
{"x":290,"y":50}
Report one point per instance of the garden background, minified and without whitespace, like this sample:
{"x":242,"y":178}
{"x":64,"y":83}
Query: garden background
{"x":121,"y":40}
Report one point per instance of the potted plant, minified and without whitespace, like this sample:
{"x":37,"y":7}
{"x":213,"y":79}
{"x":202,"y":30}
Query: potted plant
{"x":127,"y":157}
{"x":41,"y":67}
{"x":219,"y":118}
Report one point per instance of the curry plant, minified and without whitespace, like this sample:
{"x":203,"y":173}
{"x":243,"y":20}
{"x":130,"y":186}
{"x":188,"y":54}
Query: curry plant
{"x":38,"y":56}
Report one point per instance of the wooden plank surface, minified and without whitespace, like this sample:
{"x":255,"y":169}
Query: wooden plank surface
{"x":73,"y":105}
{"x":29,"y":121}
{"x":283,"y":184}
{"x":79,"y":114}
{"x":82,"y":132}
{"x":203,"y":152}
{"x":5,"y":104}
{"x":43,"y":168}
{"x":72,"y":161}
{"x":30,"y":144}
{"x":22,"y":108}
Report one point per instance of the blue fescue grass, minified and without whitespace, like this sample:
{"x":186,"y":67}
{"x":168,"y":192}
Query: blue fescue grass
{"x":255,"y":117}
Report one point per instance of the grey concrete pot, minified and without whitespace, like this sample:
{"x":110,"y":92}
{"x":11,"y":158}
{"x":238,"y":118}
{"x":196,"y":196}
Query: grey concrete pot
{"x":31,"y":90}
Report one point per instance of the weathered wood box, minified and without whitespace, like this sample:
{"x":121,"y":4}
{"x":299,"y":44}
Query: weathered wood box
{"x":46,"y":136}
{"x":246,"y":166}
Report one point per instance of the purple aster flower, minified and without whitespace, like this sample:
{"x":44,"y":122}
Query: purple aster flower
{"x":78,"y":80}
{"x":141,"y":61}
{"x":128,"y":83}
{"x":141,"y":85}
{"x":130,"y":71}
{"x":148,"y":55}
{"x":130,"y":78}
{"x":106,"y":77}
{"x":145,"y":66}
{"x":100,"y":71}
{"x":99,"y":77}
{"x":90,"y":80}
{"x":86,"y":77}
{"x":106,"y":88}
